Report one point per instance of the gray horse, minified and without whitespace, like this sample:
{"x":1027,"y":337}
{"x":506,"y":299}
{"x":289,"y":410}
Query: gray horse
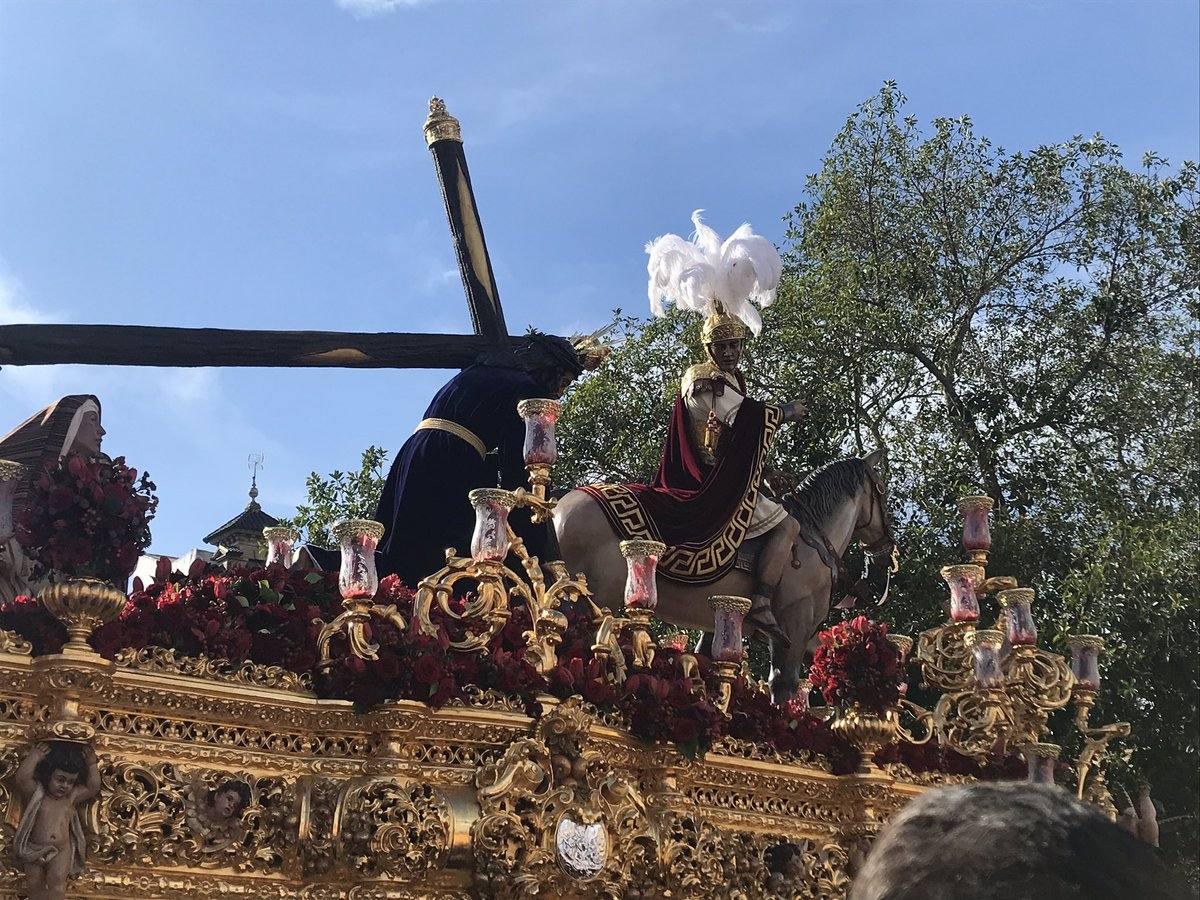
{"x":844,"y":501}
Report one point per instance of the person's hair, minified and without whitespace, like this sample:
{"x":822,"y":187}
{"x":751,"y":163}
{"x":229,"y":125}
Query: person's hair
{"x":536,"y":352}
{"x":1010,"y":841}
{"x":63,"y":757}
{"x":233,"y":786}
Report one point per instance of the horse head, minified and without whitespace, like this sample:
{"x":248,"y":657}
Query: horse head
{"x":873,"y":527}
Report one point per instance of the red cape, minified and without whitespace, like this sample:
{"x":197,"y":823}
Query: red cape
{"x":701,"y":512}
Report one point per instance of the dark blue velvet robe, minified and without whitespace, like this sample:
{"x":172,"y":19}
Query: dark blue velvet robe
{"x":424,"y":501}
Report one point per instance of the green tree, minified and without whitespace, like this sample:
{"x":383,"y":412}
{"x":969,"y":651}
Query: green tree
{"x":340,"y":495}
{"x":1021,"y":323}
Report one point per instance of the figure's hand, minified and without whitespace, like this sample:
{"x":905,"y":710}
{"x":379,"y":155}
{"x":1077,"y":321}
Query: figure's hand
{"x":40,"y":750}
{"x":794,"y":411}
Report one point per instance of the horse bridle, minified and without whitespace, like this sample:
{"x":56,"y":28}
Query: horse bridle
{"x":886,"y":545}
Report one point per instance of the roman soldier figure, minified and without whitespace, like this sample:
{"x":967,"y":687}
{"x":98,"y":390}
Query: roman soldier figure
{"x":713,"y":392}
{"x":705,"y":501}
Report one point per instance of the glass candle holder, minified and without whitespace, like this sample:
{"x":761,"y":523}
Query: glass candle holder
{"x":10,"y":476}
{"x":800,"y":702}
{"x":977,"y":529}
{"x":1018,"y":617}
{"x":641,"y":560}
{"x":984,"y":645}
{"x":676,"y":640}
{"x":490,"y":540}
{"x":357,"y":578}
{"x":963,"y":579}
{"x":541,"y":448}
{"x":281,"y":539}
{"x":1041,"y":759}
{"x":1085,"y":659}
{"x":728,"y":613}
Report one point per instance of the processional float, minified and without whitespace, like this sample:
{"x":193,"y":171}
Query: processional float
{"x":480,"y":798}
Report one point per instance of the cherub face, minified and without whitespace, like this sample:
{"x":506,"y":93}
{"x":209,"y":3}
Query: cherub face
{"x":61,"y":783}
{"x":225,"y":804}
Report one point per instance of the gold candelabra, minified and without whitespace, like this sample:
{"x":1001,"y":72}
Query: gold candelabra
{"x":358,"y":582}
{"x":493,"y":587}
{"x":999,"y":687}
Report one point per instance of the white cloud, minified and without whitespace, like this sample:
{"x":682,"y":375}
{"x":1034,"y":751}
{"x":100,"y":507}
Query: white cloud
{"x":14,"y":310}
{"x":367,"y":9}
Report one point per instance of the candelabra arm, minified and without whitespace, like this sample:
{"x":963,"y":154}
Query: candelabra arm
{"x":353,"y":622}
{"x":924,"y":721}
{"x":535,"y":498}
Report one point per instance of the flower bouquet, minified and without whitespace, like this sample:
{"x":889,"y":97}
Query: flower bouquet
{"x":87,"y":517}
{"x":87,"y":521}
{"x":857,"y":669}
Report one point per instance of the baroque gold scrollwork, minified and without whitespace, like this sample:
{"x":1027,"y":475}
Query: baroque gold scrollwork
{"x":393,"y":828}
{"x":161,"y":659}
{"x":158,"y":815}
{"x":555,"y":818}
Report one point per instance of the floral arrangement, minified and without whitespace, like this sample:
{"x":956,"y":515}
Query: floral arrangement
{"x":88,"y":516}
{"x":266,"y":615}
{"x":856,"y":665}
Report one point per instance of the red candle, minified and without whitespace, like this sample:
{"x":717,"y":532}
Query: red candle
{"x":490,"y":542}
{"x":1085,"y":659}
{"x":1019,"y":627}
{"x":541,"y":448}
{"x":641,"y":560}
{"x":728,"y":613}
{"x":357,"y":578}
{"x":963,"y":579}
{"x":977,"y":532}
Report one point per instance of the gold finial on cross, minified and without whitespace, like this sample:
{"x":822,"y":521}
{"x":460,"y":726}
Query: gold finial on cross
{"x":441,"y":126}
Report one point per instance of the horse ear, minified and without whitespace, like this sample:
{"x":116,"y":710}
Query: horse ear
{"x":877,"y":460}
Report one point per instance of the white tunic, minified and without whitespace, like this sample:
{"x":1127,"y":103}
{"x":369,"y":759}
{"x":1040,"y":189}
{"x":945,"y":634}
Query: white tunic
{"x":699,"y":403}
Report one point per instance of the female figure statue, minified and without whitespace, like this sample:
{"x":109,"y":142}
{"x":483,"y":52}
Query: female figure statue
{"x":70,"y":425}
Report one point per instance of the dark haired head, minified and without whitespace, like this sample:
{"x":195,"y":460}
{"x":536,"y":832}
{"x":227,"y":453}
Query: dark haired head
{"x":537,"y":352}
{"x":61,"y":769}
{"x":1008,"y":842}
{"x":63,"y":757}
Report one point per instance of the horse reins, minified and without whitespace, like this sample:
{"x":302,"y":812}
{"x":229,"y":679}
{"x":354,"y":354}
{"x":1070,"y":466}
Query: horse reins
{"x":886,"y":546}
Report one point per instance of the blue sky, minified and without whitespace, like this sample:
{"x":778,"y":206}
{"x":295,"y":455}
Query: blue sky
{"x":260,"y":164}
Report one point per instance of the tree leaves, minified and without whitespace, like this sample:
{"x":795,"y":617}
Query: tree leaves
{"x":1020,"y":322}
{"x":340,"y":495}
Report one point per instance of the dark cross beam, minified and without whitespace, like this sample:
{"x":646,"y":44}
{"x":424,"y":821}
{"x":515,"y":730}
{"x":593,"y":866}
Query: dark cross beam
{"x":146,"y":345}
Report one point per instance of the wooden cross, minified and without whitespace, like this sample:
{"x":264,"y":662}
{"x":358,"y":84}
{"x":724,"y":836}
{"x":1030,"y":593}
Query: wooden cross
{"x":144,"y":345}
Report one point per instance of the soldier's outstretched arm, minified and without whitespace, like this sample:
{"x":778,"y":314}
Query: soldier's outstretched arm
{"x":794,"y":411}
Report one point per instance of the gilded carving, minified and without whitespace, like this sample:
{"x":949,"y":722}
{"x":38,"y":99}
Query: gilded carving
{"x":392,"y":828}
{"x":11,"y":642}
{"x":161,"y":659}
{"x":160,"y":815}
{"x":216,"y":782}
{"x":555,"y":818}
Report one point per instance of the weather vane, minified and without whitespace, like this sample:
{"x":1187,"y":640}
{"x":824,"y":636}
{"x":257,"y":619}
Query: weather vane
{"x":254,"y":462}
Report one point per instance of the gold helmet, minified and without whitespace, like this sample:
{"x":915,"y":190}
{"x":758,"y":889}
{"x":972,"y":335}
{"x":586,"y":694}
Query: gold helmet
{"x":720,"y":326}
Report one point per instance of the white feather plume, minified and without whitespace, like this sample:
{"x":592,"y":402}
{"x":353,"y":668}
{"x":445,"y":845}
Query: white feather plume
{"x":741,"y":274}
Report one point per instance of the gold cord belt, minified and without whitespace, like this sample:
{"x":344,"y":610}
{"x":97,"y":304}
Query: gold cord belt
{"x":455,"y":429}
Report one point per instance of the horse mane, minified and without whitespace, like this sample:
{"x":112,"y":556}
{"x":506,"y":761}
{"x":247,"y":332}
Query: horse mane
{"x":815,"y":500}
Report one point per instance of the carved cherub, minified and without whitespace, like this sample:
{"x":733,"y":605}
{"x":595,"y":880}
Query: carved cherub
{"x":214,"y":815}
{"x":49,"y":843}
